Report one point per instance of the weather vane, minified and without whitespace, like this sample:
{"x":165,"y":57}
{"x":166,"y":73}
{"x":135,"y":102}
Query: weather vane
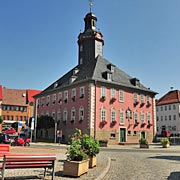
{"x":90,"y":5}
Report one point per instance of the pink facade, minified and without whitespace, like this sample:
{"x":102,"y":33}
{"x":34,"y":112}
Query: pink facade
{"x":92,"y":121}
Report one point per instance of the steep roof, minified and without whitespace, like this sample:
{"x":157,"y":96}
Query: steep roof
{"x":170,"y":97}
{"x":31,"y":93}
{"x":14,"y":97}
{"x":0,"y":92}
{"x":95,"y":70}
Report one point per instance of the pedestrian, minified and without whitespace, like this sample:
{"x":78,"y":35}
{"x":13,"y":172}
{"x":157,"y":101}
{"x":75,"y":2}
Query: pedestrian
{"x":58,"y":135}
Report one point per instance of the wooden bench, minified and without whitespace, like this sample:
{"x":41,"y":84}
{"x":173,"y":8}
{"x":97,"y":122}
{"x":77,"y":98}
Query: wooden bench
{"x":19,"y":161}
{"x":4,"y":148}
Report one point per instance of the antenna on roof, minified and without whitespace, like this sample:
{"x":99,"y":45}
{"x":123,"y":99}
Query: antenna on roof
{"x":90,"y":5}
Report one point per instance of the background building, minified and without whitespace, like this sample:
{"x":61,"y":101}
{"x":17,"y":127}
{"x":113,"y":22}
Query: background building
{"x":168,"y":113}
{"x":98,"y":97}
{"x":16,"y":106}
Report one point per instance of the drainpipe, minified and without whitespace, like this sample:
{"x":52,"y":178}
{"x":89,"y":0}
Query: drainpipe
{"x":35,"y":129}
{"x":95,"y":83}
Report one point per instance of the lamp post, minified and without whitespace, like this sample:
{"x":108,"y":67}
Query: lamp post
{"x":55,"y":129}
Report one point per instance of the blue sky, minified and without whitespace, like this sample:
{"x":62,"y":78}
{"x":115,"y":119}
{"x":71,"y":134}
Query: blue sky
{"x":38,"y":40}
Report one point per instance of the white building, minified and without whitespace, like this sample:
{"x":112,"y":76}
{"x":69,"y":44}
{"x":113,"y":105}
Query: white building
{"x":168,"y":113}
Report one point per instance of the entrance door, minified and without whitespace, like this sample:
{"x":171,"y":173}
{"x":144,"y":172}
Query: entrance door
{"x":122,"y":135}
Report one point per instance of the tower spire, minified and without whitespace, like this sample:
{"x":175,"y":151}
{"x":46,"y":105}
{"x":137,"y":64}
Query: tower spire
{"x":90,"y":5}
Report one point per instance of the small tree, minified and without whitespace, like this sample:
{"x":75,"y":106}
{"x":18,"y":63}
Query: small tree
{"x":45,"y":122}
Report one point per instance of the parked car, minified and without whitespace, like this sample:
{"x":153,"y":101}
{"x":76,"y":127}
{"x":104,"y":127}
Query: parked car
{"x":4,"y":139}
{"x":9,"y":131}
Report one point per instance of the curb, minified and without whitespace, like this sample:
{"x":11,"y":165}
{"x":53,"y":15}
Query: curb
{"x":105,"y":171}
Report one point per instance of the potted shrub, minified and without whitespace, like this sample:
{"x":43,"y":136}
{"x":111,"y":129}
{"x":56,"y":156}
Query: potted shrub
{"x":77,"y":162}
{"x":92,"y":148}
{"x":165,"y":142}
{"x":143,"y":143}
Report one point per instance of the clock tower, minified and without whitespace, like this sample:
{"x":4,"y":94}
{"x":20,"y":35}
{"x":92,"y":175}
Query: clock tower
{"x":90,"y":41}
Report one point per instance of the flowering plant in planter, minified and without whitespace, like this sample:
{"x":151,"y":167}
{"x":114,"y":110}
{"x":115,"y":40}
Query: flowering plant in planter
{"x":143,"y":141}
{"x":165,"y":142}
{"x":113,"y":99}
{"x":75,"y":151}
{"x":104,"y":122}
{"x":136,"y":103}
{"x":82,"y":146}
{"x":90,"y":145}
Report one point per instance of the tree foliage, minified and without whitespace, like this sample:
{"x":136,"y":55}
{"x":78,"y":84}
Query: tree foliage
{"x":45,"y":122}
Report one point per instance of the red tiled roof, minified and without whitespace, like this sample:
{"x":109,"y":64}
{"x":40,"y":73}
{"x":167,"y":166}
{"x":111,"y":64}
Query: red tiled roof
{"x":0,"y":92}
{"x":14,"y":96}
{"x":170,"y":97}
{"x":32,"y":93}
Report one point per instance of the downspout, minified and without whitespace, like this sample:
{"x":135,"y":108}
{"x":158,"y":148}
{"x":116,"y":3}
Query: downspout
{"x":95,"y":111}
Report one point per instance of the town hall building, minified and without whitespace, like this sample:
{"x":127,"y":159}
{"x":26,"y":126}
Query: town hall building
{"x":98,"y":97}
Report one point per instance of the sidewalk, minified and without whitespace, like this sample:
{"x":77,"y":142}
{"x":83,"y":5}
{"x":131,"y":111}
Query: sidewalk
{"x":96,"y":173}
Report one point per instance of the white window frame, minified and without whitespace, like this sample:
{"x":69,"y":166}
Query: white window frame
{"x":121,"y":95}
{"x":103,"y":91}
{"x":60,"y":97}
{"x":81,"y":113}
{"x":103,"y":114}
{"x":73,"y":93}
{"x":113,"y":93}
{"x":149,"y":118}
{"x":65,"y":115}
{"x":43,"y":101}
{"x":48,"y":100}
{"x":135,"y":97}
{"x":122,"y":117}
{"x":73,"y":114}
{"x":81,"y":92}
{"x":65,"y":95}
{"x":113,"y":115}
{"x":136,"y":117}
{"x":54,"y":98}
{"x":142,"y":116}
{"x":142,"y":98}
{"x":109,"y":76}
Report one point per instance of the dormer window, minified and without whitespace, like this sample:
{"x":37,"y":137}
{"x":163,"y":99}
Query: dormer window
{"x":72,"y":79}
{"x":75,"y":71}
{"x":55,"y":85}
{"x":135,"y":82}
{"x":111,"y":67}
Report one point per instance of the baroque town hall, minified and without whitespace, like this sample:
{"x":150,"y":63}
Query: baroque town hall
{"x":98,"y":97}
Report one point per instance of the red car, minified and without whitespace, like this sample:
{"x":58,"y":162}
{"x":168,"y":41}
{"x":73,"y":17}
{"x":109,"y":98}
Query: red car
{"x":9,"y":131}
